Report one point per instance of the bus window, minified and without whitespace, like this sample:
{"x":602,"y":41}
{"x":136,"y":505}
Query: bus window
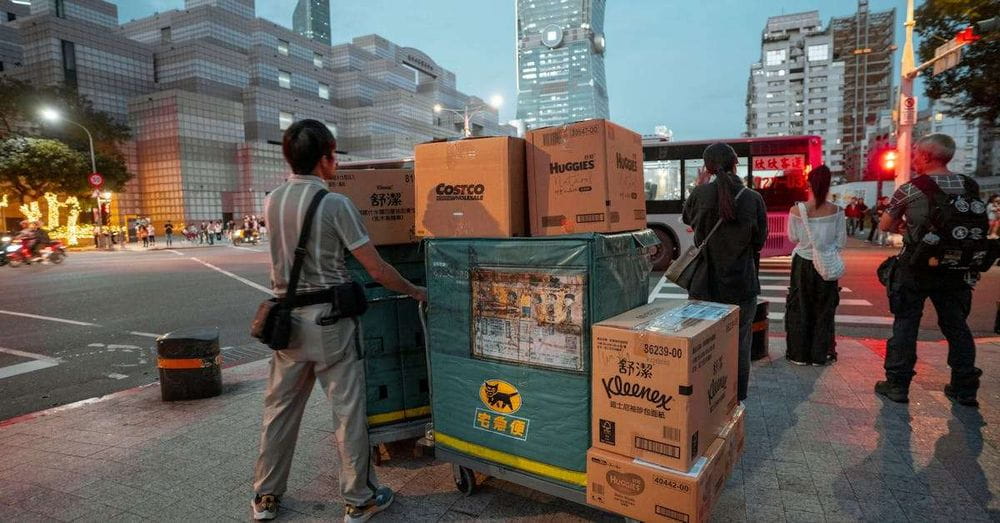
{"x":691,"y":168}
{"x":662,"y":180}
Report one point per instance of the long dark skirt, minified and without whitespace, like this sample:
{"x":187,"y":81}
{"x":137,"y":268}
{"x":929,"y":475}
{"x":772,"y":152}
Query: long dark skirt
{"x":809,"y":314}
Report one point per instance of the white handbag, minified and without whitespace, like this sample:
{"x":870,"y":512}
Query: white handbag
{"x":826,"y":260}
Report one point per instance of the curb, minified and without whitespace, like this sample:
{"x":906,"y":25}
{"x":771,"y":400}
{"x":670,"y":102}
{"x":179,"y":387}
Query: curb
{"x":91,"y":401}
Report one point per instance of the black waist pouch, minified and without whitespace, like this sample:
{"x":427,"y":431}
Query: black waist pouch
{"x":349,"y":300}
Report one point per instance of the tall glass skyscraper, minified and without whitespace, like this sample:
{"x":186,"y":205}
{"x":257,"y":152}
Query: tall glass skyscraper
{"x":560,"y":61}
{"x":311,"y":19}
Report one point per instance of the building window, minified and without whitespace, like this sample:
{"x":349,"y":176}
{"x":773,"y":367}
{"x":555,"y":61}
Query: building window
{"x":165,"y":35}
{"x":324,"y":91}
{"x":332,"y":127}
{"x":318,"y":60}
{"x":284,"y":79}
{"x":283,"y":47}
{"x":285,"y":120}
{"x":818,"y":52}
{"x":11,"y":17}
{"x":60,"y":8}
{"x":69,"y":63}
{"x":776,"y":57}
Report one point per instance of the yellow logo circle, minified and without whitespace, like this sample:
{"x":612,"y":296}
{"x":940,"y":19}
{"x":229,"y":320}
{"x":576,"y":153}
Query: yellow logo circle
{"x":500,"y":396}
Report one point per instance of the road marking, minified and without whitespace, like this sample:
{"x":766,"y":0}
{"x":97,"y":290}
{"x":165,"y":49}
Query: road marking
{"x":235,"y":277}
{"x":179,"y":253}
{"x":49,"y":318}
{"x":775,"y":271}
{"x":844,"y":318}
{"x":772,"y":299}
{"x":116,"y":376}
{"x":40,"y":362}
{"x":145,"y":334}
{"x":659,"y":286}
{"x":245,"y":248}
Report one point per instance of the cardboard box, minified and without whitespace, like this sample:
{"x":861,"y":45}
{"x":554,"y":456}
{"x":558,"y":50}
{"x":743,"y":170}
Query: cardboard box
{"x":647,"y":492}
{"x":664,"y":380}
{"x":471,"y":188}
{"x":585,"y":177}
{"x":385,"y":199}
{"x":734,"y":434}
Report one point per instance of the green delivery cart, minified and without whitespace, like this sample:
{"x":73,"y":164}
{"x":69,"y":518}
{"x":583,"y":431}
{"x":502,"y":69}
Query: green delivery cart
{"x":397,"y":384}
{"x":509,"y":350}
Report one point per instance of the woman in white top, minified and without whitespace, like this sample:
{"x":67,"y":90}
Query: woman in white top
{"x":812,"y":301}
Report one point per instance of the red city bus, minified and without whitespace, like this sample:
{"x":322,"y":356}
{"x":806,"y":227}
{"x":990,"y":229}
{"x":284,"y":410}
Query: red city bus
{"x":775,"y":166}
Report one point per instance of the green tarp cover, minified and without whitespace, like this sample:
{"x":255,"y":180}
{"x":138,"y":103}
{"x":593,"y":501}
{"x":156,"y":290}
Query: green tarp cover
{"x":542,"y":399}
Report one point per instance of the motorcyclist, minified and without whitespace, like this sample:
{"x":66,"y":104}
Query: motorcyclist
{"x":28,"y":236}
{"x":41,"y":239}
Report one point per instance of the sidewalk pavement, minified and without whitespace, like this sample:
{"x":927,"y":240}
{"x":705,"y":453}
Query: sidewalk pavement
{"x":820,"y":447}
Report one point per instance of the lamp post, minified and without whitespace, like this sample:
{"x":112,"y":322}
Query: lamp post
{"x":51,"y":115}
{"x":470,"y":111}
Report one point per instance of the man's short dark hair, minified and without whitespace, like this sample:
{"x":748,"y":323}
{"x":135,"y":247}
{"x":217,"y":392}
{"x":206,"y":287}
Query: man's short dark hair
{"x":305,"y":142}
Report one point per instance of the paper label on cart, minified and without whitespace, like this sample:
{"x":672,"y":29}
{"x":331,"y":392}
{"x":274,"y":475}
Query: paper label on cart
{"x":503,"y":424}
{"x":533,"y":317}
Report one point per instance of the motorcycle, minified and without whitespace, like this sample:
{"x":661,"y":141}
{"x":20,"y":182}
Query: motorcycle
{"x":241,"y":236}
{"x":20,"y":253}
{"x":4,"y":242}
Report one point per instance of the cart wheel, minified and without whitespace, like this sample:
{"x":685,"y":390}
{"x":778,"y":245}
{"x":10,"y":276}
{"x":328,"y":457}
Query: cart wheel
{"x":465,"y":479}
{"x":376,"y":456}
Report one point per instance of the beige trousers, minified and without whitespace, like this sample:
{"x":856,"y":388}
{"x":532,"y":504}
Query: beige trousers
{"x":329,"y":354}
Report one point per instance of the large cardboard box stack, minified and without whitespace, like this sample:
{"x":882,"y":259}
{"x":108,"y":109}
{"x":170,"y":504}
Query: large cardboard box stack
{"x":385,"y":199}
{"x":471,"y":188}
{"x":585,"y":177}
{"x":664,"y":380}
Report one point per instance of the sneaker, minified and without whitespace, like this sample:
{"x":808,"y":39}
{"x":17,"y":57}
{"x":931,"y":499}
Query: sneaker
{"x":966,"y":399}
{"x":897,"y":393}
{"x":265,"y":507}
{"x":796,"y":362}
{"x":381,"y":501}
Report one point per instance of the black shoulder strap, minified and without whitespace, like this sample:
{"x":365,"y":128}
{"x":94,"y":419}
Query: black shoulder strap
{"x":300,"y":249}
{"x":971,"y":186}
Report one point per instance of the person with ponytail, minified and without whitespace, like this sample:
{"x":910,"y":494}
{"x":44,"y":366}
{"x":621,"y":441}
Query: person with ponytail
{"x":731,"y":257}
{"x":813,"y":297}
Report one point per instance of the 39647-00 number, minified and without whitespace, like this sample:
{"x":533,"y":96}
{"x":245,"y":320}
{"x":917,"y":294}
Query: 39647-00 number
{"x":660,"y":350}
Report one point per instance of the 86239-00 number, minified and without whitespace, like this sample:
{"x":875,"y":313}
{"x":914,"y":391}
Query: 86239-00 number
{"x":660,"y":350}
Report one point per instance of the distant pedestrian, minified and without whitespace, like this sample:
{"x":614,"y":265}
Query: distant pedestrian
{"x":144,"y":235}
{"x":993,"y":211}
{"x":202,"y":233}
{"x":729,"y":274}
{"x":851,"y":212}
{"x":817,"y":227}
{"x":877,"y":235}
{"x":168,"y":229}
{"x":917,"y":210}
{"x":152,"y":234}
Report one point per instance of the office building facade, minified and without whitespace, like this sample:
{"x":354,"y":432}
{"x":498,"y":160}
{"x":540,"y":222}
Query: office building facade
{"x":795,"y":89}
{"x":560,"y":61}
{"x":311,"y":19}
{"x":10,"y":40}
{"x":217,"y":87}
{"x":864,"y":42}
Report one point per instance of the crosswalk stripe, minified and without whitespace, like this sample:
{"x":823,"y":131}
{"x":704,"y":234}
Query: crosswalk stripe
{"x":844,"y":318}
{"x":660,"y":286}
{"x":772,"y":299}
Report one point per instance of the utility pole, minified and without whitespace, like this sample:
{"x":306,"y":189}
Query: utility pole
{"x":904,"y":128}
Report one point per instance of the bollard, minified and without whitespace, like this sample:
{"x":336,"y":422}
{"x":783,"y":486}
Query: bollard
{"x":190,"y":364}
{"x":758,"y":338}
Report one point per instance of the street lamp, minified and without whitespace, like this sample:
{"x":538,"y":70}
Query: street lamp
{"x":51,"y":115}
{"x":471,"y":110}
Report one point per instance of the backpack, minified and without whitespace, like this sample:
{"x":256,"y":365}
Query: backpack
{"x":955,"y":236}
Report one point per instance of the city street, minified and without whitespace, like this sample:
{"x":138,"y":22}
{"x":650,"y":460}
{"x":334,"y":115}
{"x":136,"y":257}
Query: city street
{"x":87,"y":327}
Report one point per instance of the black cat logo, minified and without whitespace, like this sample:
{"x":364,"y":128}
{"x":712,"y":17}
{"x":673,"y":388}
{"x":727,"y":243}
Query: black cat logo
{"x":500,"y":396}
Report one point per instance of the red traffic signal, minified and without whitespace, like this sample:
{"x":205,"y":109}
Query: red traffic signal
{"x":967,"y":35}
{"x":889,"y":161}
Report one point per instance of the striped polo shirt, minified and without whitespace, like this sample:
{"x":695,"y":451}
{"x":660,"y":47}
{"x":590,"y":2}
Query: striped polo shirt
{"x":336,"y":227}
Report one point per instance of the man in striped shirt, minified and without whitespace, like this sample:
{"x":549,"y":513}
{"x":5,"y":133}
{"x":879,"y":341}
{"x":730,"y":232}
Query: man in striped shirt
{"x":320,"y":347}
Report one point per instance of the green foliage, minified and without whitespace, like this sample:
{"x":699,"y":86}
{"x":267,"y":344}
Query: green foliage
{"x":20,"y":103}
{"x":975,"y":83}
{"x":30,"y":167}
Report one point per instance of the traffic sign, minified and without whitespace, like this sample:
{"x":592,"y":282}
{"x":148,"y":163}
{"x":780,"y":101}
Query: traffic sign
{"x":95,"y":179}
{"x":947,"y":55}
{"x":908,"y":110}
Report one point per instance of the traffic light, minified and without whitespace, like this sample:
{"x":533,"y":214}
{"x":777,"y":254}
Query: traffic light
{"x":888,"y":163}
{"x":967,"y":35}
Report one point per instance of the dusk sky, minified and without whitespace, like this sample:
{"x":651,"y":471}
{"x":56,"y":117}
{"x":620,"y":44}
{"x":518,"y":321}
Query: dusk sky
{"x":679,"y":63}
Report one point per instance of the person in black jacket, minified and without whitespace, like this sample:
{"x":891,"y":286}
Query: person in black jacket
{"x":729,"y":272}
